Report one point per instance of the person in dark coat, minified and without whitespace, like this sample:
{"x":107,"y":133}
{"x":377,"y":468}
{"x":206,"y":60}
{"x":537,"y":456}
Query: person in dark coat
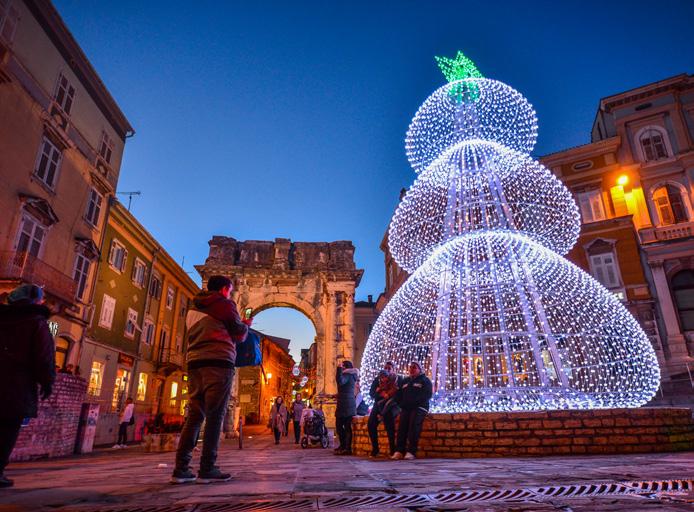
{"x":347,"y":377}
{"x":27,"y":361}
{"x":413,"y":398}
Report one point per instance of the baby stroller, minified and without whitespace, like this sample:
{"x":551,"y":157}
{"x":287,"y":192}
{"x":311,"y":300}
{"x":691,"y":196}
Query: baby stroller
{"x":314,"y":432}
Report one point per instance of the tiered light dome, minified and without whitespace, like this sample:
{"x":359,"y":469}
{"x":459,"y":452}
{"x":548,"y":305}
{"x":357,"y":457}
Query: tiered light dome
{"x":498,"y":318}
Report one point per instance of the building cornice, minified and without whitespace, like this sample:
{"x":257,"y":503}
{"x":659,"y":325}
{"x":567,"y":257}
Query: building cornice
{"x":591,"y":149}
{"x":679,"y":82}
{"x":51,"y":22}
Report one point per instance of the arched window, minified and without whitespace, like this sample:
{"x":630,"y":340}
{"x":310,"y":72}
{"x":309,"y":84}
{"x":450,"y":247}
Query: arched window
{"x":62,"y":346}
{"x":670,"y":205}
{"x":683,"y":291}
{"x":653,"y":144}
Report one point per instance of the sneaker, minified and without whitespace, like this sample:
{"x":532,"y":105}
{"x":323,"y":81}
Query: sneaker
{"x":5,"y":482}
{"x":124,"y":446}
{"x":397,"y":456}
{"x":182,"y":476}
{"x":373,"y":454}
{"x":212,"y":475}
{"x":409,"y":456}
{"x":115,"y":447}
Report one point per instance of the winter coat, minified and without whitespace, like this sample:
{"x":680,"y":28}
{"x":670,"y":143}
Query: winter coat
{"x":297,"y":409}
{"x":27,"y":358}
{"x":374,"y":391}
{"x":278,"y":418}
{"x":214,"y":329}
{"x":415,"y":393}
{"x":346,"y":380}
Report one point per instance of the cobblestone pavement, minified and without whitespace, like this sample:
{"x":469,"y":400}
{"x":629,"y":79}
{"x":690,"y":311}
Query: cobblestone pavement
{"x":269,"y":477}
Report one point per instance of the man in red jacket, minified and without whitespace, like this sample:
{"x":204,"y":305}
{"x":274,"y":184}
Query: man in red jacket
{"x":27,"y":360}
{"x":214,"y":328}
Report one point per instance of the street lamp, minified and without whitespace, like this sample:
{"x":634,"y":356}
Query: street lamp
{"x":623,"y":180}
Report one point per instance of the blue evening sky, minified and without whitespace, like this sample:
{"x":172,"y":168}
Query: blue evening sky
{"x":264,"y":119}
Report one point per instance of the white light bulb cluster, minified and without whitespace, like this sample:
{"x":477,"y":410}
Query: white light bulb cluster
{"x":497,"y":317}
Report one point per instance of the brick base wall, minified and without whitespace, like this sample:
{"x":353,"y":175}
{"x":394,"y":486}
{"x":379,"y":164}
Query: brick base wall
{"x":606,"y":431}
{"x":53,"y":432}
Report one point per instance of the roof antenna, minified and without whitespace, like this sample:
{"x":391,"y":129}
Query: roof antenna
{"x":130,"y":196}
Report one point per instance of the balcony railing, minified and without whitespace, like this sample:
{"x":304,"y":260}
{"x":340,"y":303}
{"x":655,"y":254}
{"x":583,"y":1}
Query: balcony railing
{"x":24,"y":267}
{"x":663,"y":233}
{"x":171,"y":357}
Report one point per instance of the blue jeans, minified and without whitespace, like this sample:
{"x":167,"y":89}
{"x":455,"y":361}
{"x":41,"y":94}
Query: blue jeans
{"x":208,"y":397}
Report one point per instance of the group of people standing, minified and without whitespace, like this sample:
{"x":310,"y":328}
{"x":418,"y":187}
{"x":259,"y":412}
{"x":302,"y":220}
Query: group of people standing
{"x":297,"y":412}
{"x":392,"y":395}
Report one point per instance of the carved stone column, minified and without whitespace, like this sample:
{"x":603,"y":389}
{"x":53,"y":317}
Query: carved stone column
{"x":675,"y":345}
{"x":348,"y":322}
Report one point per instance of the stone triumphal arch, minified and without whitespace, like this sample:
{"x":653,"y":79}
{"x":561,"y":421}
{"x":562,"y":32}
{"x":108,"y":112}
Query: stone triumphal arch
{"x":316,"y":278}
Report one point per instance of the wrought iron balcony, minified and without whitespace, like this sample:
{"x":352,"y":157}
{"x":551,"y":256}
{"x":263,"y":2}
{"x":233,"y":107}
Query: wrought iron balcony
{"x":25,"y":268}
{"x":664,"y":233}
{"x":171,"y":358}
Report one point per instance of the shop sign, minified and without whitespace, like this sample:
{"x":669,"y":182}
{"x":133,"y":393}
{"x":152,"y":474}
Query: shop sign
{"x":53,"y":327}
{"x":295,"y":370}
{"x":125,"y":359}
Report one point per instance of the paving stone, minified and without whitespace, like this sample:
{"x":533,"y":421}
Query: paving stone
{"x":114,"y":479}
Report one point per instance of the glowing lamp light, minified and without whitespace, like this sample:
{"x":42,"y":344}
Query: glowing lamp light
{"x":622,"y":180}
{"x":269,"y":376}
{"x":497,"y":317}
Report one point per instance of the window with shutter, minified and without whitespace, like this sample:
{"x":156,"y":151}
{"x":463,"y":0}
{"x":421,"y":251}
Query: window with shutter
{"x":130,"y":324}
{"x":653,"y":145}
{"x":117,"y":256}
{"x":670,"y":205}
{"x":93,"y":207}
{"x":108,"y":307}
{"x":31,"y":236}
{"x":48,"y":163}
{"x":605,"y":270}
{"x":591,"y":206}
{"x":64,"y":93}
{"x":81,"y":274}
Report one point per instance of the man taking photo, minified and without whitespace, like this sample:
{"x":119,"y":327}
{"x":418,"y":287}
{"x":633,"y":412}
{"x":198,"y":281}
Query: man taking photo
{"x":214,"y":328}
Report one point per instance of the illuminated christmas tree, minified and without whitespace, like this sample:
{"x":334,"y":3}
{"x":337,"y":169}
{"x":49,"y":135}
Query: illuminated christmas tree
{"x":499,"y":319}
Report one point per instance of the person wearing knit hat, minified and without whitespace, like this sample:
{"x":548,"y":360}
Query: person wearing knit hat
{"x":27,"y":362}
{"x":26,"y":294}
{"x":413,"y":398}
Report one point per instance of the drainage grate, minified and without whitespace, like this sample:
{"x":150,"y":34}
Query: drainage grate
{"x":296,"y":504}
{"x":391,"y":500}
{"x":647,"y":489}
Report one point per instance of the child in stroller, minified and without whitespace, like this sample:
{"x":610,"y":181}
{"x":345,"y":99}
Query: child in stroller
{"x":315,"y":431}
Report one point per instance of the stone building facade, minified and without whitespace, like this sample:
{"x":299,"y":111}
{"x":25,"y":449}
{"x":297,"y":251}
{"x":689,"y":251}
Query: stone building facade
{"x":135,"y":344}
{"x":316,"y":278}
{"x":62,"y":137}
{"x":365,"y":315}
{"x":258,"y":386}
{"x":634,"y":183}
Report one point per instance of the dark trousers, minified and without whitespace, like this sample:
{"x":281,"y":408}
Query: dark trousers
{"x":278,"y":434}
{"x":122,"y":433}
{"x":344,"y":432}
{"x":297,"y":431}
{"x":410,"y":428}
{"x":208,"y":395}
{"x":9,"y":431}
{"x":388,"y":423}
